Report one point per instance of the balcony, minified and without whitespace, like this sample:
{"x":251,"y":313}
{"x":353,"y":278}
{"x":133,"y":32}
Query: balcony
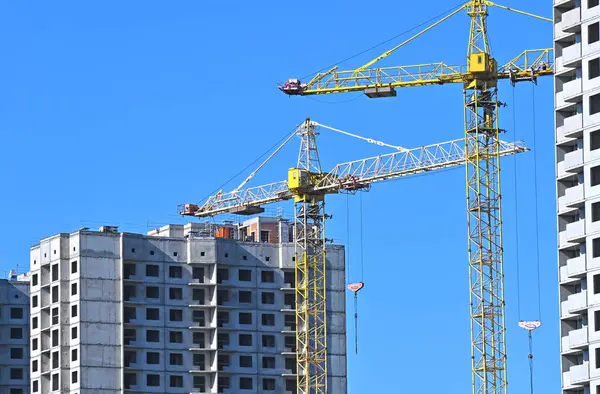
{"x":564,"y":275}
{"x":574,"y":196}
{"x":578,"y":338}
{"x":572,"y":90}
{"x":576,"y":231}
{"x":580,"y":373}
{"x":563,"y":243}
{"x":574,"y":160}
{"x":576,"y":267}
{"x":577,"y":302}
{"x":572,"y":55}
{"x":559,"y":33}
{"x":564,"y":344}
{"x":571,"y":20}
{"x":572,"y":126}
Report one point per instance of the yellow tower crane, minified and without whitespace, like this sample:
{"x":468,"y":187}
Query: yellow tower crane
{"x":307,"y":184}
{"x":480,"y":79}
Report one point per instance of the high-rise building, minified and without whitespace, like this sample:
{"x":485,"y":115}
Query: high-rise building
{"x":193,"y":308}
{"x":14,"y":335}
{"x":577,"y":111}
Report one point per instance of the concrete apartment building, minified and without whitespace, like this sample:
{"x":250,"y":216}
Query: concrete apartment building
{"x":577,"y":104}
{"x":14,"y":335}
{"x":183,"y":309}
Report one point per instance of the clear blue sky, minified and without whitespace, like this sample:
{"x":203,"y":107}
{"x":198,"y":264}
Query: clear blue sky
{"x":115,"y":112}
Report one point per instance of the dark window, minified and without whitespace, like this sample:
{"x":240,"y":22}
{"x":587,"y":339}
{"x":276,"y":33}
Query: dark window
{"x":593,"y":32}
{"x":597,"y":357}
{"x":592,"y":4}
{"x":199,"y":361}
{"x":222,"y":340}
{"x":34,"y":343}
{"x":16,"y":313}
{"x":246,"y":383}
{"x":73,"y":310}
{"x":34,"y":301}
{"x":267,"y":276}
{"x":130,"y":358}
{"x":245,"y":340}
{"x":54,"y":316}
{"x":200,"y":383}
{"x":152,"y":358}
{"x":152,"y":314}
{"x":55,"y":294}
{"x":176,"y":359}
{"x":246,"y":361}
{"x":222,"y":297}
{"x":198,"y":339}
{"x":244,"y":275}
{"x":289,"y":300}
{"x":198,"y":274}
{"x":245,"y":318}
{"x":175,"y":293}
{"x":595,"y":104}
{"x":268,"y":384}
{"x":152,"y":270}
{"x":16,"y":353}
{"x":176,"y":380}
{"x":289,"y":278}
{"x":174,"y":254}
{"x":128,"y":270}
{"x":268,"y":362}
{"x":17,"y":333}
{"x":268,"y":319}
{"x":74,"y":377}
{"x":264,"y":236}
{"x":16,"y":373}
{"x":595,"y":211}
{"x":595,"y":140}
{"x":34,"y":366}
{"x":152,"y":292}
{"x":268,"y":298}
{"x":73,"y":332}
{"x":73,"y":288}
{"x":16,"y":391}
{"x":199,"y":318}
{"x":130,"y":380}
{"x":268,"y":341}
{"x":175,"y":272}
{"x":34,"y":280}
{"x":153,"y":380}
{"x":595,"y":175}
{"x":129,"y":335}
{"x":222,"y":383}
{"x":597,"y":320}
{"x":74,"y":267}
{"x":54,"y":360}
{"x":176,"y":314}
{"x":245,"y":297}
{"x":74,"y":355}
{"x":222,"y":318}
{"x":34,"y":323}
{"x":198,"y":295}
{"x":152,"y":336}
{"x":36,"y":386}
{"x":55,"y":382}
{"x":54,"y":337}
{"x":594,"y":68}
{"x":175,"y":336}
{"x":222,"y":275}
{"x":244,"y":257}
{"x":54,"y":272}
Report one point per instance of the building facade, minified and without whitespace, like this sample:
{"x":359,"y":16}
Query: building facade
{"x":14,"y":336}
{"x":577,"y":111}
{"x":184,"y":309}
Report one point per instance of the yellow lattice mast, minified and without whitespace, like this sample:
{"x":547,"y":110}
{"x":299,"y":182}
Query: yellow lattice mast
{"x":482,"y":153}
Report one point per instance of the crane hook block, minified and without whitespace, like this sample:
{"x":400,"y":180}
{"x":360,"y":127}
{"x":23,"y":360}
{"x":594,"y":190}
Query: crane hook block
{"x":355,"y":287}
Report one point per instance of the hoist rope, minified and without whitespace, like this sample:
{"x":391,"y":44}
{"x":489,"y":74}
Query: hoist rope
{"x":516,"y":198}
{"x":530,"y":362}
{"x":362,"y":263}
{"x":536,"y":196}
{"x":348,"y":277}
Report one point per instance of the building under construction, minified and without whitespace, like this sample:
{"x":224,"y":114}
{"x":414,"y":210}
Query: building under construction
{"x":196,"y":308}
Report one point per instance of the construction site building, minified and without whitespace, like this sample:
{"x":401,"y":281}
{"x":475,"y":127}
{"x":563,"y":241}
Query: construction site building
{"x":14,"y":334}
{"x":195,"y":308}
{"x":577,"y":104}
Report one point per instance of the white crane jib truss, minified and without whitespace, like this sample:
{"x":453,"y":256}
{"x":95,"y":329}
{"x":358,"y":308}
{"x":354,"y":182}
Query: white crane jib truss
{"x":355,"y":175}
